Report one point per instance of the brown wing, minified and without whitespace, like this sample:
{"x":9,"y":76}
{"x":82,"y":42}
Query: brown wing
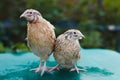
{"x":66,"y":51}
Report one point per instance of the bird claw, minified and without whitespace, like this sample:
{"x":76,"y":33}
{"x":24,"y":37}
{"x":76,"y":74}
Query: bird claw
{"x":42,"y":69}
{"x":55,"y":68}
{"x":77,"y":69}
{"x":36,"y":69}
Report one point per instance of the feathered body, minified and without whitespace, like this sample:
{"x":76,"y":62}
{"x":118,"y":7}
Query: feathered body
{"x":67,"y":49}
{"x":67,"y":52}
{"x":40,"y":36}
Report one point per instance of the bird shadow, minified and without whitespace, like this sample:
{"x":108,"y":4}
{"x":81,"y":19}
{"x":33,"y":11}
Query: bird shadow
{"x":28,"y":75}
{"x":97,"y":70}
{"x":66,"y":75}
{"x":63,"y":74}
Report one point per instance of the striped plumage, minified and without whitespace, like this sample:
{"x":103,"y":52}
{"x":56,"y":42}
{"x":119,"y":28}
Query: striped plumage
{"x":67,"y":49}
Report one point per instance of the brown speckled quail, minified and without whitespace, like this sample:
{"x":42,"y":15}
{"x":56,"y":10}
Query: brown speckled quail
{"x":67,"y":50}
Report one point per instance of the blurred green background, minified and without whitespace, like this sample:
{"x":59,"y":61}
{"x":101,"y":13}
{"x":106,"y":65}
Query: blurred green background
{"x":98,"y":20}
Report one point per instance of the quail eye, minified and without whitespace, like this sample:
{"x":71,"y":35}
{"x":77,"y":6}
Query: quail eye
{"x":30,"y":12}
{"x":74,"y":32}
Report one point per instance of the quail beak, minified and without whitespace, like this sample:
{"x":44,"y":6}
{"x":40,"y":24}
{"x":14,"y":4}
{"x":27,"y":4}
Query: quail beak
{"x":22,"y":15}
{"x":81,"y":36}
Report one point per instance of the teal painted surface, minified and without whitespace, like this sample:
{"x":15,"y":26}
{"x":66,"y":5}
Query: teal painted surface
{"x":100,"y":65}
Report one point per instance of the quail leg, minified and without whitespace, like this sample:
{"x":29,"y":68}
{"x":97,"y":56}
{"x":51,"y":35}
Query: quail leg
{"x":44,"y":68}
{"x":37,"y":69}
{"x":76,"y":69}
{"x":55,"y":68}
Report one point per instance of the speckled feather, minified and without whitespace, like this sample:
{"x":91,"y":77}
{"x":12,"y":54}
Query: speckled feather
{"x":67,"y":52}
